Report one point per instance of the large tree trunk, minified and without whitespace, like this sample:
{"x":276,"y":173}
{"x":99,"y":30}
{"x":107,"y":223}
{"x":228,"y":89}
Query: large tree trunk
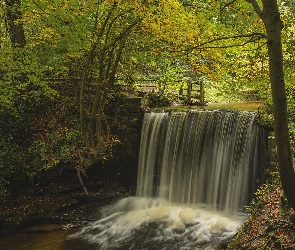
{"x":16,"y":32}
{"x":271,"y":18}
{"x":14,"y":23}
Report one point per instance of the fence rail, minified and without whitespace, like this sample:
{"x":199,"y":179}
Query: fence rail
{"x":190,"y":90}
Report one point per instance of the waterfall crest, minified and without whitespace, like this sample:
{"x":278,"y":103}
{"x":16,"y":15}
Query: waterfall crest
{"x":214,"y":158}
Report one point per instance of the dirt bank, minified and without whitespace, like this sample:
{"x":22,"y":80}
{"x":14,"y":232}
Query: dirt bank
{"x":61,"y":200}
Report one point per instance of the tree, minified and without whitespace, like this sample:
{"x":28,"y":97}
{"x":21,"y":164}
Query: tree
{"x":270,"y":16}
{"x":89,"y":44}
{"x":268,"y":13}
{"x":15,"y":31}
{"x":14,"y":23}
{"x":99,"y":73}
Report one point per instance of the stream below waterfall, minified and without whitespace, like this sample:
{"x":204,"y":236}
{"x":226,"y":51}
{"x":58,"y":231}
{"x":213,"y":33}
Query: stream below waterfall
{"x":149,"y":223}
{"x":134,"y":223}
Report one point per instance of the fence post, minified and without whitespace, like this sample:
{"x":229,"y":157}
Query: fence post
{"x":202,"y":102}
{"x":189,"y":91}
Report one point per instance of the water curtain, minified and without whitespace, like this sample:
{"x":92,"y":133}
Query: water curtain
{"x":215,"y":158}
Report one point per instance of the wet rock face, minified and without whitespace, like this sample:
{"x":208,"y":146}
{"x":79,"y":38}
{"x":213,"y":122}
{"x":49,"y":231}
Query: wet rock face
{"x":125,"y":121}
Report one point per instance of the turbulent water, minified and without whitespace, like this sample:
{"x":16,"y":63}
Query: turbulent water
{"x":197,"y":171}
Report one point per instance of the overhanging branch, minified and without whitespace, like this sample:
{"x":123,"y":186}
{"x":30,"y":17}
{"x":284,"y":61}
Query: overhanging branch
{"x":253,"y":37}
{"x":227,"y":5}
{"x":256,"y":7}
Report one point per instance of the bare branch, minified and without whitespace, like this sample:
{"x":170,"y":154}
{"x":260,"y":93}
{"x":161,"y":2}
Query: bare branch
{"x":227,"y":5}
{"x":253,"y":37}
{"x":230,"y":46}
{"x":38,"y":6}
{"x":256,"y":7}
{"x":123,"y":33}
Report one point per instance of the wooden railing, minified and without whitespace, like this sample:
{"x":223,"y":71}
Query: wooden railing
{"x":199,"y":93}
{"x":193,"y":90}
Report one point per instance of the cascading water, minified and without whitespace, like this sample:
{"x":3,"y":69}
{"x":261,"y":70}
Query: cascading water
{"x":209,"y":157}
{"x":197,"y":171}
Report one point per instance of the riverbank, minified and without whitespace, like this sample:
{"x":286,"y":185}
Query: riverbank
{"x":61,"y":201}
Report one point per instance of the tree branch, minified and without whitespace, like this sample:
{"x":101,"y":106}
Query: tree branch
{"x":252,"y":38}
{"x":38,"y":6}
{"x":123,"y":33}
{"x":256,"y":7}
{"x":227,"y":4}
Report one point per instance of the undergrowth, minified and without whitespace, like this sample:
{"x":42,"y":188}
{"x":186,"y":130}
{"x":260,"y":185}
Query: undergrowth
{"x":270,"y":224}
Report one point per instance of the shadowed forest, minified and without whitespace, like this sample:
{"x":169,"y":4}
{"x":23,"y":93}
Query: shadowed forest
{"x":77,"y":76}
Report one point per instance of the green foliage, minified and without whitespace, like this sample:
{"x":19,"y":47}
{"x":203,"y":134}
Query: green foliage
{"x":22,"y":77}
{"x":157,"y":99}
{"x":10,"y":166}
{"x":173,"y":79}
{"x":290,"y":91}
{"x":58,"y":147}
{"x":32,"y":129}
{"x":265,"y":116}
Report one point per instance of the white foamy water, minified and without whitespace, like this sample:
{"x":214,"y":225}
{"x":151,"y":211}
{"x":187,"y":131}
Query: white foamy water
{"x":147,"y":223}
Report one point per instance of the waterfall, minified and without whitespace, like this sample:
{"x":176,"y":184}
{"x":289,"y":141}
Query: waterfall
{"x":215,"y":158}
{"x":197,"y":171}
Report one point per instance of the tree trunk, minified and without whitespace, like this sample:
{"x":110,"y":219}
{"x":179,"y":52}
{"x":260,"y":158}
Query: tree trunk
{"x":16,"y":32}
{"x":14,"y":23}
{"x":271,"y":18}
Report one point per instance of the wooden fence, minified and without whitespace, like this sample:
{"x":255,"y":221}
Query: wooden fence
{"x":194,"y":90}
